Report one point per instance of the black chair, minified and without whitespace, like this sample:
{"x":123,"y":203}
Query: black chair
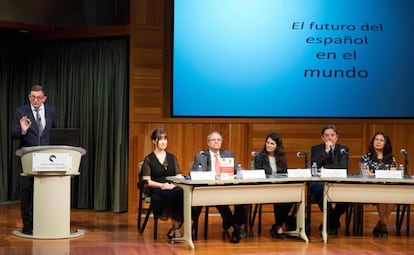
{"x":402,"y":209}
{"x":258,"y":210}
{"x":144,"y":198}
{"x":195,"y":224}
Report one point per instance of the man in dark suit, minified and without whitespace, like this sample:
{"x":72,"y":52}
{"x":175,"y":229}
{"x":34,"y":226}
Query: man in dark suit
{"x":31,"y":126}
{"x":208,"y":160}
{"x":330,"y":155}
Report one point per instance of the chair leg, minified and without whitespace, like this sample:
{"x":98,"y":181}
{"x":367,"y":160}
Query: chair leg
{"x":155,"y":228}
{"x":194,"y":229}
{"x":139,"y":215}
{"x":401,"y":210}
{"x":399,"y":218}
{"x":308,"y":217}
{"x":206,"y":208}
{"x":248,"y":222}
{"x":348,"y":217}
{"x":259,"y":222}
{"x":358,"y":225}
{"x":144,"y":224}
{"x":252,"y":215}
{"x":408,"y":220}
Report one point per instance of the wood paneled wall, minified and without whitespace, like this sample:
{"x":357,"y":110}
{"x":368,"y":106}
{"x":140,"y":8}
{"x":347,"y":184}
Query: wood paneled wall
{"x":150,"y":94}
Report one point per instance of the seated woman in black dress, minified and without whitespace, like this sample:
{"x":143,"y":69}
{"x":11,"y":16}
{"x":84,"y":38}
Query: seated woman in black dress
{"x":166,"y":198}
{"x":272,"y":159}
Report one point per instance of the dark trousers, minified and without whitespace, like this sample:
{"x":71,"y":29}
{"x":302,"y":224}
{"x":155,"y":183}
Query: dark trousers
{"x":316,"y":192}
{"x":229,"y":219}
{"x":281,"y":212}
{"x":26,"y":200}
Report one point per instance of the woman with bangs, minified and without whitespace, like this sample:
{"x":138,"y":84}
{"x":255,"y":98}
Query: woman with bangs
{"x":166,"y":198}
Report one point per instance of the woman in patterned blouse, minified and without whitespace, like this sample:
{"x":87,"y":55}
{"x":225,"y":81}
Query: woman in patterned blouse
{"x":380,"y":157}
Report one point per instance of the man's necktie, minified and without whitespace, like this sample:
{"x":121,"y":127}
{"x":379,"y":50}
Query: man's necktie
{"x":217,"y":164}
{"x":39,"y":121}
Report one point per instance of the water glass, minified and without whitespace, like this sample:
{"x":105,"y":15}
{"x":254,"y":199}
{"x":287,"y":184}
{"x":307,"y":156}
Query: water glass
{"x":363,"y":169}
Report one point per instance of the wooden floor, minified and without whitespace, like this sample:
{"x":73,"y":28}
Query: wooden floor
{"x":112,"y":233}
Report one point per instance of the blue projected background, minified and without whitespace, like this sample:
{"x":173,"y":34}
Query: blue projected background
{"x":296,"y":58}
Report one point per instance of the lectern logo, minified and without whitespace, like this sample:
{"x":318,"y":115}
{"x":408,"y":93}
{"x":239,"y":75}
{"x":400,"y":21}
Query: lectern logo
{"x":52,"y":158}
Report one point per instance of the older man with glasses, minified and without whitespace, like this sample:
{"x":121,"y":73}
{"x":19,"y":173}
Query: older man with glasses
{"x":208,"y":160}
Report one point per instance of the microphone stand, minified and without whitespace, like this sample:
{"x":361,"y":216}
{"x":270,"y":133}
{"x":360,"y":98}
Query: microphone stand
{"x":306,"y":160}
{"x":406,"y":164}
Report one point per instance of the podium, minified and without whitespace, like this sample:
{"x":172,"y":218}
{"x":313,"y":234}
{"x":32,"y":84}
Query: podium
{"x":52,"y":168}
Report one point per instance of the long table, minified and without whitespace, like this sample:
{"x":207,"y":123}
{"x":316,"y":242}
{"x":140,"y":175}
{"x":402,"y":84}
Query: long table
{"x":251,"y":191}
{"x":358,"y":189}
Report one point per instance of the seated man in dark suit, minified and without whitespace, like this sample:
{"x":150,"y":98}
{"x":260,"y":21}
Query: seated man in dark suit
{"x":208,"y":160}
{"x":331,"y":155}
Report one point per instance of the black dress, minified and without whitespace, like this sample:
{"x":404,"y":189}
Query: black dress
{"x":164,"y":202}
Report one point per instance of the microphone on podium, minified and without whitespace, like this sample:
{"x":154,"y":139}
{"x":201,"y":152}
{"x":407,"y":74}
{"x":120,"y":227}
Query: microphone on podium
{"x":404,"y":152}
{"x":301,"y":154}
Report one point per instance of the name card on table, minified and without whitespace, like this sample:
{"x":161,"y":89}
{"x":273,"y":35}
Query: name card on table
{"x":202,"y":175}
{"x":386,"y":174}
{"x":251,"y":174}
{"x":338,"y":173}
{"x":299,"y":172}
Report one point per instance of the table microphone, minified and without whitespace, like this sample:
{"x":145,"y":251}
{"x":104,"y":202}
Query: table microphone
{"x":301,"y":154}
{"x":343,"y":151}
{"x":405,"y":153}
{"x":255,"y":154}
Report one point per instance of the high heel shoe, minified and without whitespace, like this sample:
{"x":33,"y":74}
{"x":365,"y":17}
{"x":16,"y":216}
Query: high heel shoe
{"x":377,"y":230}
{"x":383,"y":232}
{"x":174,"y":233}
{"x":276,"y":232}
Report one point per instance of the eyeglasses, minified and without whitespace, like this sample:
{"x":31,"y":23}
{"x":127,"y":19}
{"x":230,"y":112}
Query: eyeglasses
{"x":36,"y":98}
{"x":214,"y":140}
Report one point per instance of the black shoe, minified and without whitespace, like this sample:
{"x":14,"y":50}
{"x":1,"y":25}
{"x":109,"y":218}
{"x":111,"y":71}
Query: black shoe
{"x":274,"y":234}
{"x":383,"y":232}
{"x":242,"y":233}
{"x":27,"y":230}
{"x":377,"y":230}
{"x":235,"y":236}
{"x":333,"y":232}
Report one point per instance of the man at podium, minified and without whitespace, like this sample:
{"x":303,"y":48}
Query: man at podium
{"x":31,"y":125}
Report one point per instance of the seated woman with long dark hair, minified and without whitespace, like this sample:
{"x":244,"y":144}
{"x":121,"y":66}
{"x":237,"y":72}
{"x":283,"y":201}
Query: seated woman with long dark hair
{"x":166,"y":198}
{"x":272,"y":159}
{"x":380,"y":157}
